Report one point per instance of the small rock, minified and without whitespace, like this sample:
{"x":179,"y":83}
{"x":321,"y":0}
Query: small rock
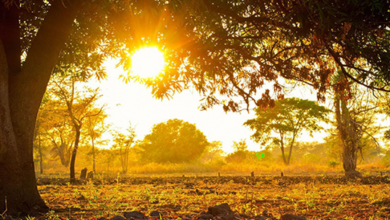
{"x":72,"y":219}
{"x":292,"y":217}
{"x":102,"y":218}
{"x":155,"y":213}
{"x":83,"y":173}
{"x":90,"y":175}
{"x":224,"y":208}
{"x":118,"y":218}
{"x":134,"y":214}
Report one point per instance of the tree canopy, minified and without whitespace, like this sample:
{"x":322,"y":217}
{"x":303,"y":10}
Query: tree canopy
{"x":236,"y":47}
{"x":288,"y":119}
{"x":227,"y":47}
{"x":174,"y":141}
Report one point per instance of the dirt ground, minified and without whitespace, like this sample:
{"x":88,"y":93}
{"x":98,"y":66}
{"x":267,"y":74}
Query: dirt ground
{"x":314,"y":196}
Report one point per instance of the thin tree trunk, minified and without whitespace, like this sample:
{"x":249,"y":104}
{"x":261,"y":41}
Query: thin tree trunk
{"x":74,"y":154}
{"x":291,"y":147}
{"x":282,"y":148}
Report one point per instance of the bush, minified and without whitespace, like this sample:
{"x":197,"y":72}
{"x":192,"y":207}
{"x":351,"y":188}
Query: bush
{"x":333,"y":163}
{"x":236,"y":157}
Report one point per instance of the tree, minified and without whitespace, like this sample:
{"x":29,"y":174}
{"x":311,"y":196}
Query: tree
{"x":355,"y":123}
{"x":288,"y":119}
{"x":123,"y":144}
{"x":384,"y":104}
{"x":56,"y":128}
{"x":240,"y":152}
{"x":174,"y":141}
{"x":37,"y":135}
{"x":95,"y":129}
{"x":242,"y":45}
{"x":212,"y":153}
{"x":37,"y":37}
{"x":240,"y":146}
{"x":78,"y":35}
{"x":80,"y":105}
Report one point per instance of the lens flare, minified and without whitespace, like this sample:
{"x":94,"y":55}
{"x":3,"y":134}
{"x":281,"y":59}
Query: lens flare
{"x":147,"y":62}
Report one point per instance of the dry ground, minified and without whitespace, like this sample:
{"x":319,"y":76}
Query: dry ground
{"x":315,"y":197}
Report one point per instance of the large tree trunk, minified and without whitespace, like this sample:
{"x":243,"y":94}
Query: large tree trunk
{"x":74,"y":154}
{"x":347,"y":133}
{"x":17,"y":176}
{"x":21,"y":92}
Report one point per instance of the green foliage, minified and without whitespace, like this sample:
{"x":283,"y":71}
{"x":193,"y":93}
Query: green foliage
{"x":333,"y":163}
{"x":174,"y":141}
{"x":239,"y":46}
{"x":289,"y":118}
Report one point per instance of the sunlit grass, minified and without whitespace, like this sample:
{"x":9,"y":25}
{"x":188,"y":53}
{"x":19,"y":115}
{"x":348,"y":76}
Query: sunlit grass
{"x":213,"y":169}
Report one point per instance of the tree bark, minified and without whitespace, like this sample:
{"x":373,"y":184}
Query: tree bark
{"x":21,"y":92}
{"x":348,"y":136}
{"x":17,"y":175}
{"x":74,"y":154}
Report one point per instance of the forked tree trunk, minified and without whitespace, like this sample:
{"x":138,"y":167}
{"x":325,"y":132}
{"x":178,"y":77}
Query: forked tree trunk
{"x":291,"y":147}
{"x":21,"y":92}
{"x":282,"y":148}
{"x":286,"y":161}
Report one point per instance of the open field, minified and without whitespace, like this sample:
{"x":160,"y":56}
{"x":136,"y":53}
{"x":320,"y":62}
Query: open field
{"x":311,"y":196}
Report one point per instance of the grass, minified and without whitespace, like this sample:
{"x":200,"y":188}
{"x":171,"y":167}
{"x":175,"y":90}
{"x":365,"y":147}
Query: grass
{"x":271,"y":168}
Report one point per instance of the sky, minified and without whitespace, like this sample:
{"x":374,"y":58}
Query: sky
{"x":133,"y":102}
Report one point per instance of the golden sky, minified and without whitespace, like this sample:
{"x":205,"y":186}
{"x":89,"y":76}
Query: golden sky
{"x":134,"y":103}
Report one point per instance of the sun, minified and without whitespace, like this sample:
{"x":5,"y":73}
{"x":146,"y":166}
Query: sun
{"x":147,"y":62}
